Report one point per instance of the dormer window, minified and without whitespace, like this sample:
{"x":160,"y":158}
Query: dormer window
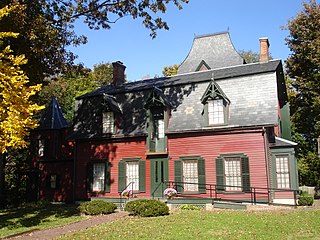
{"x":216,"y":105}
{"x":108,"y":123}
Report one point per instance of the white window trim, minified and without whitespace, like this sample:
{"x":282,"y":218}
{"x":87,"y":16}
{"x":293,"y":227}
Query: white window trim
{"x":190,"y":175}
{"x":98,"y":177}
{"x":233,"y":173}
{"x":41,"y":147}
{"x":132,"y":175}
{"x":108,"y":122}
{"x":282,"y":171}
{"x":216,"y":112}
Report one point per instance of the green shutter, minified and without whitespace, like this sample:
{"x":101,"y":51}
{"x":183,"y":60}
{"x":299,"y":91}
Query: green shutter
{"x":57,"y":181}
{"x":107,"y":179}
{"x":245,"y":174}
{"x":178,"y":175}
{"x":121,"y":176}
{"x":201,"y":175}
{"x":142,"y":176}
{"x":89,"y":184}
{"x":220,"y":174}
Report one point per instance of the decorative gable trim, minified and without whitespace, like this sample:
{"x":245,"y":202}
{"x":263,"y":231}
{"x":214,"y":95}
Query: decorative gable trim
{"x":203,"y":66}
{"x":156,"y":98}
{"x":214,"y":91}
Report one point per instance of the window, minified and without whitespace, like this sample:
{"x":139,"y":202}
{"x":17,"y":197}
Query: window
{"x":282,"y":171}
{"x":131,"y":170}
{"x":108,"y":122}
{"x":132,"y":175}
{"x":98,"y":176}
{"x":52,"y":181}
{"x":215,"y":112}
{"x":216,"y":105}
{"x":232,"y":173}
{"x":190,"y":174}
{"x":41,"y":147}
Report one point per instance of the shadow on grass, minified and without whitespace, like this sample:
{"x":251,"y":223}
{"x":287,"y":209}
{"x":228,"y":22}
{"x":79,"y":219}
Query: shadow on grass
{"x":30,"y":216}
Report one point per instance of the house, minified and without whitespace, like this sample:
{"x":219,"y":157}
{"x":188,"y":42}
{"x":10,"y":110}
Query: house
{"x":219,"y":129}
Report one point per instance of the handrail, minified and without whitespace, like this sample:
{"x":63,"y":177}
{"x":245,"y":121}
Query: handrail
{"x":214,"y":190}
{"x":120,"y":194}
{"x":160,"y":184}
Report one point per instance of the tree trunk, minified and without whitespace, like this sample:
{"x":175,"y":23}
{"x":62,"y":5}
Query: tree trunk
{"x":2,"y":180}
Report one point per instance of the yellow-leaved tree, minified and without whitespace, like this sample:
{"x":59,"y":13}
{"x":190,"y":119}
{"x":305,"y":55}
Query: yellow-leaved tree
{"x":16,"y":107}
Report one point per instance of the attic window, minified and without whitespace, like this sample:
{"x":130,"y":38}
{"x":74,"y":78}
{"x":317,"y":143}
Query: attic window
{"x":216,"y":105}
{"x":108,"y":123}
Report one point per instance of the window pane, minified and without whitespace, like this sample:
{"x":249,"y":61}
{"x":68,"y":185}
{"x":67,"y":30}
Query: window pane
{"x":160,"y":125}
{"x":282,"y":171}
{"x":132,"y":175}
{"x":216,"y":111}
{"x":53,"y":181}
{"x":41,"y":144}
{"x":98,"y":176}
{"x":190,"y":175}
{"x":108,"y":122}
{"x":233,"y":173}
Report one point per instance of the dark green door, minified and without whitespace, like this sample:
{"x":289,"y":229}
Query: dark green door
{"x":159,"y":174}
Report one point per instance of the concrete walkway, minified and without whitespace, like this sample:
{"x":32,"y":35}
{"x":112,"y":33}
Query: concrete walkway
{"x":72,"y":227}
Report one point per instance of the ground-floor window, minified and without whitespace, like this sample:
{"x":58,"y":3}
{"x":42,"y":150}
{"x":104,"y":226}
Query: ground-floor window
{"x":233,"y":173}
{"x":132,"y":175}
{"x":98,"y":176}
{"x":190,"y":175}
{"x":282,"y":171}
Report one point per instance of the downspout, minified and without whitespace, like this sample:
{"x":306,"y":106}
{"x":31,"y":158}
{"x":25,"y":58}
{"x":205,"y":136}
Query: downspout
{"x":74,"y":172}
{"x":267,"y":160}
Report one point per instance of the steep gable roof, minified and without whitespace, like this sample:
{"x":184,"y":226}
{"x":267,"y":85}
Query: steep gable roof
{"x":216,"y":50}
{"x":52,"y":117}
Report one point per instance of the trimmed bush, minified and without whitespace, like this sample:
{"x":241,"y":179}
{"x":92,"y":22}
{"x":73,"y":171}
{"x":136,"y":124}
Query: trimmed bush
{"x":147,"y":208}
{"x":97,"y":207}
{"x":189,"y":207}
{"x":305,"y":199}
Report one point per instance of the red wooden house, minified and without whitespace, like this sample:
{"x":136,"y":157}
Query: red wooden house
{"x":217,"y":130}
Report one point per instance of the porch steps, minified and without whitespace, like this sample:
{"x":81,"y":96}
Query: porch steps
{"x":229,"y":205}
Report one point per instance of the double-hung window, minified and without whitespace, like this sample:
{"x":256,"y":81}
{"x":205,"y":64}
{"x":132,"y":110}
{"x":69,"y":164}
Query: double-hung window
{"x":98,"y":177}
{"x":233,"y":173}
{"x":108,"y":125}
{"x":132,"y":175}
{"x":41,"y":147}
{"x":215,"y":112}
{"x":190,"y":175}
{"x":282,"y":171}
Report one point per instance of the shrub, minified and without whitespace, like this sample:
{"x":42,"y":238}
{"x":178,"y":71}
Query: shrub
{"x":190,"y":207}
{"x":147,"y":208}
{"x":305,"y":199}
{"x":97,"y":207}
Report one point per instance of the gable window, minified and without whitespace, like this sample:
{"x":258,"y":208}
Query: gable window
{"x":232,"y":173}
{"x":108,"y":123}
{"x":282,"y":171}
{"x":215,"y":112}
{"x":131,"y":175}
{"x":190,"y":174}
{"x":216,"y":105}
{"x":98,"y":176}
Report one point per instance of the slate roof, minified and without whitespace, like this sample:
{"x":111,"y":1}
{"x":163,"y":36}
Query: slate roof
{"x":52,"y":117}
{"x":251,"y":88}
{"x":213,"y":50}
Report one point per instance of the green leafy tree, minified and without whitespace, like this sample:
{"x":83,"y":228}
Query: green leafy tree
{"x":303,"y":68}
{"x":251,"y":56}
{"x":170,"y":70}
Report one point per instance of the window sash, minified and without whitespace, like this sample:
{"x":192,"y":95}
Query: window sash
{"x":215,"y":112}
{"x":53,"y":181}
{"x":41,"y":147}
{"x":233,"y":176}
{"x":132,"y":175}
{"x":190,"y":175}
{"x":108,"y":122}
{"x":282,"y":172}
{"x":98,"y":176}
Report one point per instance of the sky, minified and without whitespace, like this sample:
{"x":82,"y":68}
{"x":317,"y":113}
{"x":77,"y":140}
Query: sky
{"x":129,"y":42}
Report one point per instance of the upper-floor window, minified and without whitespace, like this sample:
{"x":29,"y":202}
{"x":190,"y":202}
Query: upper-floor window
{"x":216,"y":105}
{"x":108,"y":122}
{"x":216,"y":112}
{"x":41,"y":147}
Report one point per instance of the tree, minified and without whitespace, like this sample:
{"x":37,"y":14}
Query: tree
{"x":170,"y":70}
{"x":45,"y":28}
{"x":251,"y":56}
{"x":303,"y":68}
{"x":16,"y":108}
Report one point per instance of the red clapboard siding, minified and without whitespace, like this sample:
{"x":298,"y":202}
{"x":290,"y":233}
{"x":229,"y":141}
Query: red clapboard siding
{"x":211,"y":146}
{"x":114,"y":152}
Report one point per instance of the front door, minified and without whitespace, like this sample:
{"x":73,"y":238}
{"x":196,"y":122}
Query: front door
{"x":159,"y":174}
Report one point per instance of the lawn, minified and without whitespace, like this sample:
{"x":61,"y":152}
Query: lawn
{"x":296,"y":224}
{"x":30,"y":217}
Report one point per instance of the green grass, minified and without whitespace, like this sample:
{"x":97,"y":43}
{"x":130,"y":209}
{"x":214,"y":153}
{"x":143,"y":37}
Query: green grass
{"x":298,"y":224}
{"x":30,"y":217}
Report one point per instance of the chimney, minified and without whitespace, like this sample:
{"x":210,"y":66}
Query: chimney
{"x":118,"y":73}
{"x":264,"y":49}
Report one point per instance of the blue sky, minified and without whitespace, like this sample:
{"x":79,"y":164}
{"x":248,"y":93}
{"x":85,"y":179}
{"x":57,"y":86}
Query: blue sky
{"x":128,"y":41}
